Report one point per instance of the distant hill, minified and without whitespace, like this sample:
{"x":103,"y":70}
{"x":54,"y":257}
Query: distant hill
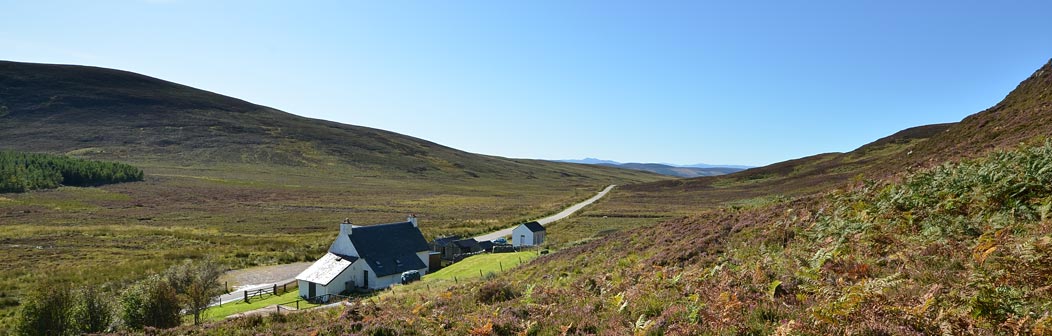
{"x":667,"y":169}
{"x":1024,"y":116}
{"x":591,"y":161}
{"x":686,"y":172}
{"x":118,"y":115}
{"x":706,"y":165}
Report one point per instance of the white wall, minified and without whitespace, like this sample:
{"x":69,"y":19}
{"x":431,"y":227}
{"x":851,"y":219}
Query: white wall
{"x":342,"y":244}
{"x":517,"y":235}
{"x":352,"y":273}
{"x":387,"y":281}
{"x":319,"y":289}
{"x":531,"y":238}
{"x":303,"y":288}
{"x":425,"y":256}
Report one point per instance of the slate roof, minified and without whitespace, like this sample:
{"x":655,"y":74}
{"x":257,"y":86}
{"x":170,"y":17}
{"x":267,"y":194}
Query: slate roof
{"x":467,"y":244}
{"x":486,"y":245}
{"x":534,"y":226}
{"x":326,"y":269}
{"x":445,"y":241}
{"x":390,"y":248}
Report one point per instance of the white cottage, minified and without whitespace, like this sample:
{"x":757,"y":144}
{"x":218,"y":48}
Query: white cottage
{"x":528,"y":234}
{"x":371,"y":257}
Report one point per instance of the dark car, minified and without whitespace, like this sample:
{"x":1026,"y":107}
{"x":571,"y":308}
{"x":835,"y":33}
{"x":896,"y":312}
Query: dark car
{"x":410,"y":276}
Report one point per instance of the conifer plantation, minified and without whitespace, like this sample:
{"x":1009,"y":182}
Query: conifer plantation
{"x":21,"y":171}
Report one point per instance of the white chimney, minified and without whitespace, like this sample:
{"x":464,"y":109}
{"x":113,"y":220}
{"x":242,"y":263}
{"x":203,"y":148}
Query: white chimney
{"x":346,"y":227}
{"x":412,"y":219}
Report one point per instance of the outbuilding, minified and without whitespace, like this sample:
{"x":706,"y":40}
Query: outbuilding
{"x":528,"y":234}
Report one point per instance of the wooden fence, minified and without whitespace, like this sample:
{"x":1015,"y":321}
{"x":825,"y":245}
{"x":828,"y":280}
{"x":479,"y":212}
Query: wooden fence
{"x":274,"y":290}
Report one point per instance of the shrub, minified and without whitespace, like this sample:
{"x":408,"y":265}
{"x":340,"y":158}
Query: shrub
{"x":150,"y":303}
{"x":496,"y":291}
{"x":46,"y":311}
{"x":196,"y":284}
{"x":59,"y":309}
{"x":92,"y":312}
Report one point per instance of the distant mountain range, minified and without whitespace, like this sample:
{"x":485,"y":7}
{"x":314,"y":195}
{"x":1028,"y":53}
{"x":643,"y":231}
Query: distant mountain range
{"x":687,"y":171}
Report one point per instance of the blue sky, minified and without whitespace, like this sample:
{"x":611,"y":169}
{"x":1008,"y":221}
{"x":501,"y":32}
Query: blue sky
{"x":731,"y":82}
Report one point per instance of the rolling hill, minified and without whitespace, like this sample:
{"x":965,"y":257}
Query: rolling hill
{"x":686,"y":172}
{"x":224,"y":178}
{"x":119,"y":115}
{"x":939,"y":229}
{"x":690,"y":171}
{"x":1021,"y":117}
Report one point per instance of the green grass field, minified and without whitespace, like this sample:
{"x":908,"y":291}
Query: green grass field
{"x":221,"y":312}
{"x":465,"y":271}
{"x":482,"y":264}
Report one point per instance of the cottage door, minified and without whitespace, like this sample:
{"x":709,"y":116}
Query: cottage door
{"x":365,"y":277}
{"x":312,"y":291}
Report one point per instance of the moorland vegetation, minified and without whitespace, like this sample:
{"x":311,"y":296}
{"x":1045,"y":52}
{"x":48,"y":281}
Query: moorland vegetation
{"x":943,"y":229}
{"x":241,"y":183}
{"x":957,"y":249}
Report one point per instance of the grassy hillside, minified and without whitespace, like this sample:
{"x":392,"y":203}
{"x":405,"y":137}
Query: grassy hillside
{"x":962,"y":248}
{"x":1024,"y":116}
{"x":929,"y":231}
{"x":113,"y":114}
{"x":226,"y":178}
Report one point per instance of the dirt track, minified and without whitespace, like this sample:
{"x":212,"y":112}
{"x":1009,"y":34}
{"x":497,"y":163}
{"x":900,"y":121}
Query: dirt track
{"x":264,"y":274}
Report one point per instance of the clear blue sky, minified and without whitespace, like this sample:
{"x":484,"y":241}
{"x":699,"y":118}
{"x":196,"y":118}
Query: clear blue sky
{"x":731,"y":82}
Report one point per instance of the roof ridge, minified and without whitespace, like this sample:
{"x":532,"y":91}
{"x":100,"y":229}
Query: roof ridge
{"x":381,"y":225}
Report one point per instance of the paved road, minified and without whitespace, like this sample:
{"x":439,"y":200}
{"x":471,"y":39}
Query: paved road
{"x":544,"y":221}
{"x":264,"y":277}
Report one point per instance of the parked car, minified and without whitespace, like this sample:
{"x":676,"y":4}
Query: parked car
{"x":410,"y":276}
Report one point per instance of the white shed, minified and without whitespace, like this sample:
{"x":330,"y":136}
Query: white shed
{"x":528,"y":234}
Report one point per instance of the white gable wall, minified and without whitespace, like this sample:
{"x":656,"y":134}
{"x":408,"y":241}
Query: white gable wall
{"x":349,"y":278}
{"x":519,"y":235}
{"x":342,"y":244}
{"x":387,"y":281}
{"x":522,"y":236}
{"x":425,"y":256}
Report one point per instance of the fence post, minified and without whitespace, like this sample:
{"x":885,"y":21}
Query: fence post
{"x":275,"y":292}
{"x":226,"y":285}
{"x":480,"y":273}
{"x":297,"y":304}
{"x":501,"y":266}
{"x":284,"y":288}
{"x":246,"y":296}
